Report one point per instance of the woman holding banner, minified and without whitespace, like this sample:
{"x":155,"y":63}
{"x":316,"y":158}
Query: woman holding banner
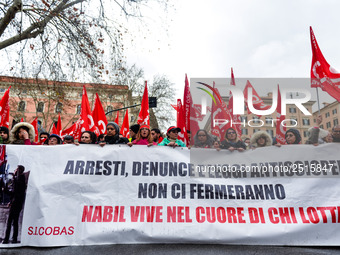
{"x":231,"y":141}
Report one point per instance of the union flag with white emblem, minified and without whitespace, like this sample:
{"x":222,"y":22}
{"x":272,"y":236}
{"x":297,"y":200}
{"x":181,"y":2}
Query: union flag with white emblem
{"x":322,"y":74}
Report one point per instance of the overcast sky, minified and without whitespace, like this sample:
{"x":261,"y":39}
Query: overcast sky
{"x":258,"y":38}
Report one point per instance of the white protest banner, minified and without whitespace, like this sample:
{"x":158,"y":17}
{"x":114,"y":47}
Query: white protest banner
{"x":86,"y":195}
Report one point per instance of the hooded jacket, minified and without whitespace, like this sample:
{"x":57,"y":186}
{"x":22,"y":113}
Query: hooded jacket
{"x":257,"y":135}
{"x":14,"y":139}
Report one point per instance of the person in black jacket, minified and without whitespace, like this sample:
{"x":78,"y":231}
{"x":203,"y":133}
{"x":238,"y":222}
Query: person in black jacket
{"x":112,"y":136}
{"x":16,"y":204}
{"x":231,"y":141}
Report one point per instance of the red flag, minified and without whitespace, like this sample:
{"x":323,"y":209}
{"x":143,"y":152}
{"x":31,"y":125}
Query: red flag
{"x":232,"y":80}
{"x":35,"y":125}
{"x":99,"y":116}
{"x":144,"y":117}
{"x":174,"y":106}
{"x":22,"y":119}
{"x":4,"y":109}
{"x":86,"y":119}
{"x":220,"y":116}
{"x":187,"y":101}
{"x":183,"y":135}
{"x":117,"y":118}
{"x":322,"y":74}
{"x":125,"y":126}
{"x":236,"y":118}
{"x":280,"y":129}
{"x":57,"y":130}
{"x":72,"y":130}
{"x":257,"y":101}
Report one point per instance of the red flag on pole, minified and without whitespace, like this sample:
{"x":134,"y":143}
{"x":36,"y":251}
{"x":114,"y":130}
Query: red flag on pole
{"x":183,"y":135}
{"x":86,"y":119}
{"x":57,"y":130}
{"x":280,"y":129}
{"x":322,"y":74}
{"x":99,"y":116}
{"x":174,"y":106}
{"x":220,"y":116}
{"x":34,"y":123}
{"x":187,"y":101}
{"x":117,"y":118}
{"x":72,"y":130}
{"x":236,"y":118}
{"x":125,"y":126}
{"x":257,"y":101}
{"x":4,"y":109}
{"x":144,"y":117}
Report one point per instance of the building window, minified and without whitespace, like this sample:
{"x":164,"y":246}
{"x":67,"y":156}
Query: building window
{"x":293,"y":121}
{"x":334,"y":111}
{"x":256,"y":130}
{"x":40,"y":107}
{"x":109,"y":108}
{"x":292,"y":110}
{"x":321,"y":126}
{"x":59,"y":108}
{"x":328,"y":125}
{"x":335,"y":122}
{"x":256,"y":119}
{"x":78,"y":109}
{"x":244,"y":131}
{"x":305,"y":122}
{"x":305,"y":133}
{"x":21,"y":106}
{"x":244,"y":119}
{"x":269,"y":120}
{"x":327,"y":114}
{"x":270,"y":132}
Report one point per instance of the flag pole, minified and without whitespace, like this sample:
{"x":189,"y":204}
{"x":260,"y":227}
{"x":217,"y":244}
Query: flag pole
{"x":317,"y":96}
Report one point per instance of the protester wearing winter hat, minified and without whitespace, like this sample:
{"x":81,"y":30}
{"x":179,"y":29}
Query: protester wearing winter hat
{"x":293,"y":136}
{"x":133,"y":132}
{"x":171,"y":139}
{"x":22,"y":133}
{"x":4,"y":135}
{"x":112,"y":136}
{"x":318,"y":136}
{"x":54,"y":140}
{"x":260,"y":139}
{"x":143,"y":137}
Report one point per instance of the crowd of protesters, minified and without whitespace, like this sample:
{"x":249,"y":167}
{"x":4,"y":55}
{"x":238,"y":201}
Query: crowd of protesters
{"x":23,"y":133}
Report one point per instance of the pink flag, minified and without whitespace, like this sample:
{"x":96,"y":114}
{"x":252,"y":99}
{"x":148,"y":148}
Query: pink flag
{"x":99,"y":117}
{"x":280,"y":129}
{"x":4,"y":109}
{"x":235,"y":118}
{"x":183,"y":135}
{"x":34,"y":123}
{"x":257,"y":101}
{"x":144,"y":117}
{"x":125,"y":126}
{"x":322,"y":74}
